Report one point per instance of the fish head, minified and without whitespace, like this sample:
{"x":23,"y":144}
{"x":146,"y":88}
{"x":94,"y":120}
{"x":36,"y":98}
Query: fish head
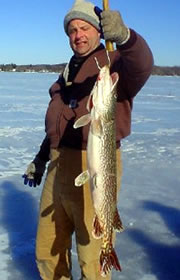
{"x":104,"y":88}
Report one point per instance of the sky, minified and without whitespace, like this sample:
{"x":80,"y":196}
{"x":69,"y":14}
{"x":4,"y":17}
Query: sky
{"x":31,"y":31}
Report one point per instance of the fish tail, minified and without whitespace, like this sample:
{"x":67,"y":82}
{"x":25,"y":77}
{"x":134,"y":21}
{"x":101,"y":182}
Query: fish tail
{"x":108,"y":261}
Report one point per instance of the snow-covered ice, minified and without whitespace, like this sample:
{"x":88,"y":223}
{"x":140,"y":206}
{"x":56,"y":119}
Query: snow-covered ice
{"x":149,"y":201}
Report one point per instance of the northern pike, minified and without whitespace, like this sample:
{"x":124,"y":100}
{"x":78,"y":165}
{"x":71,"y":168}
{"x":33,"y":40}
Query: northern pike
{"x":101,"y":164}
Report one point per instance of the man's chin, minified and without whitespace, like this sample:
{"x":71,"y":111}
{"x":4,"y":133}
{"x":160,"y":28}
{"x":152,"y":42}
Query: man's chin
{"x":82,"y":52}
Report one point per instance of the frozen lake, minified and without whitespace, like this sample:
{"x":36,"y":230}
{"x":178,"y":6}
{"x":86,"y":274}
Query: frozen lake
{"x":149,"y":202}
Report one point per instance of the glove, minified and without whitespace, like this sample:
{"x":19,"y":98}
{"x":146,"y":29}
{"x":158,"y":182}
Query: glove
{"x":34,"y":172}
{"x":114,"y":28}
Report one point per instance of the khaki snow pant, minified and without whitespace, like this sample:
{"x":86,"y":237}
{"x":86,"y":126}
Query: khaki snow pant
{"x":65,"y":209}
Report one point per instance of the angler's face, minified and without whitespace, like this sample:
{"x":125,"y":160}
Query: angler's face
{"x":83,"y":37}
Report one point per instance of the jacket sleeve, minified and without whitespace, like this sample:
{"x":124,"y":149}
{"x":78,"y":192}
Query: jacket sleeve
{"x":136,"y":65}
{"x":57,"y":86}
{"x":44,"y":151}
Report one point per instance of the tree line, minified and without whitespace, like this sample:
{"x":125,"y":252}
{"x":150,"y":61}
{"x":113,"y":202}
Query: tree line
{"x":58,"y":68}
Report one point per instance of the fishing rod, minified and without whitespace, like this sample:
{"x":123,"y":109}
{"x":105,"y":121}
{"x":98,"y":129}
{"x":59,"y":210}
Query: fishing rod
{"x":109,"y":44}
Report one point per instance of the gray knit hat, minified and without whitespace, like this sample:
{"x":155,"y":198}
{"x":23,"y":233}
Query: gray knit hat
{"x":82,"y":10}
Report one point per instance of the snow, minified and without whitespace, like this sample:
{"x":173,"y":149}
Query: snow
{"x":149,"y":248}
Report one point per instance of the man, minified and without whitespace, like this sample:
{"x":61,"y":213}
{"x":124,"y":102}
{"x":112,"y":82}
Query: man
{"x":64,"y":208}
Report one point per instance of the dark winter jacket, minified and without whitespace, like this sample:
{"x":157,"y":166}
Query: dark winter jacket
{"x":133,"y":61}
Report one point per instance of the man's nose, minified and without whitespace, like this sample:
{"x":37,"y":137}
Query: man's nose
{"x":79,"y":33}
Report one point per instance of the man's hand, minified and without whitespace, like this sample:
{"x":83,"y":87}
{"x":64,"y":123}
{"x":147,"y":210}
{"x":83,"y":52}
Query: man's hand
{"x":113,"y":27}
{"x":34,"y":172}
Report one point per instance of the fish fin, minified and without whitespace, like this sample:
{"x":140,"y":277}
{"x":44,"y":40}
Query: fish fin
{"x":97,"y":229}
{"x":82,"y":121}
{"x":94,"y":179}
{"x":96,"y":128}
{"x":108,"y":261}
{"x":82,"y":178}
{"x":115,"y":79}
{"x":117,"y":224}
{"x":89,"y":102}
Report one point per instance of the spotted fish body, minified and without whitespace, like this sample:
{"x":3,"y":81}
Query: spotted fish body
{"x":101,"y":158}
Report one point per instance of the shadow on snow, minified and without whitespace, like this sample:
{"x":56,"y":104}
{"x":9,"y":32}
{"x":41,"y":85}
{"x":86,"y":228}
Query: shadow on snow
{"x":164,"y":258}
{"x":19,"y":218}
